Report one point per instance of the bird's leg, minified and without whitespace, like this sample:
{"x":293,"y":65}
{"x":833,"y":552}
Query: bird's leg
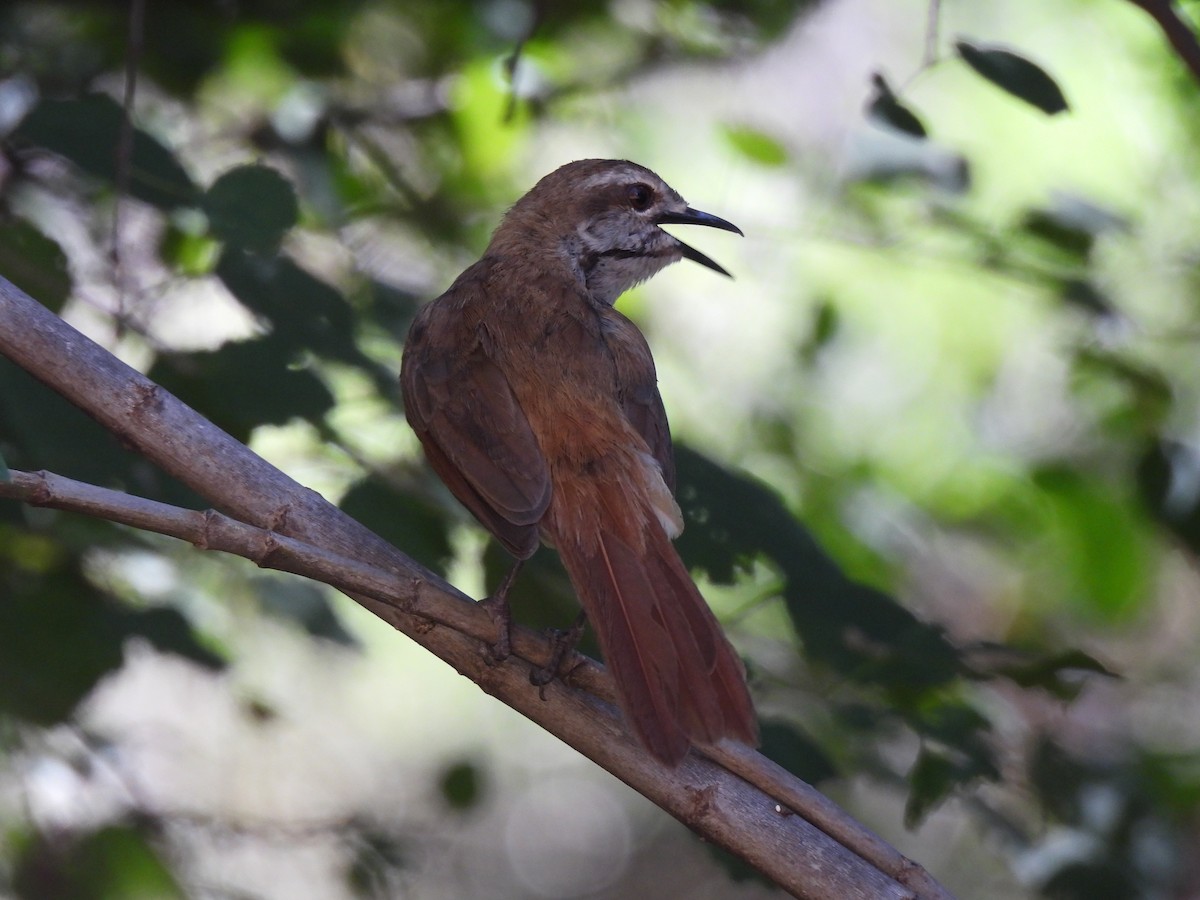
{"x":564,"y":643}
{"x":497,"y":607}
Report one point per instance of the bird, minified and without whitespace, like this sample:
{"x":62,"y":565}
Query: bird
{"x":537,"y":404}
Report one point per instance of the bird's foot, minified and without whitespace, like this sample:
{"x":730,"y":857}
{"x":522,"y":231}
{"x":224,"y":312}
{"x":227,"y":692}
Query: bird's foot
{"x":564,"y":643}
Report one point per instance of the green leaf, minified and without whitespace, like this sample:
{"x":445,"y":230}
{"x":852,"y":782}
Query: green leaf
{"x":1058,"y":673}
{"x":755,"y":145}
{"x":305,"y":313}
{"x":114,"y":862}
{"x":789,"y":746}
{"x":1015,"y":74}
{"x":1100,"y":542}
{"x":461,"y":785}
{"x":244,"y":384}
{"x":884,"y":107}
{"x":732,"y":521}
{"x":35,"y":263}
{"x":252,"y":206}
{"x":404,"y":520}
{"x":87,"y":132}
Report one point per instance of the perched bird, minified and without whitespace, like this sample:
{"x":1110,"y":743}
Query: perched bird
{"x":537,"y":403}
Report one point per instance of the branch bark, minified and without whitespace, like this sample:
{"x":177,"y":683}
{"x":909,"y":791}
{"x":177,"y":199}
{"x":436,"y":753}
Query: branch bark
{"x":732,"y":796}
{"x":1183,"y":39}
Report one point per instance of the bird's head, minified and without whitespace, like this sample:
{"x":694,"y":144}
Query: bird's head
{"x":602,"y":218}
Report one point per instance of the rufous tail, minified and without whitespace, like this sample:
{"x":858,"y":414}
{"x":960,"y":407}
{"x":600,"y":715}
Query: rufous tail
{"x":679,"y":679}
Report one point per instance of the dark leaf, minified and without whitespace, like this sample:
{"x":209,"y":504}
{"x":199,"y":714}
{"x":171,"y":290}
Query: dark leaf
{"x":244,"y":384}
{"x":59,"y":633}
{"x":166,"y":629}
{"x":41,"y":430}
{"x":1169,"y":484}
{"x":933,"y":778}
{"x":936,"y":775}
{"x":1014,"y":74}
{"x":796,"y":751}
{"x":884,"y":107}
{"x":404,"y":520}
{"x":733,"y":520}
{"x":5,"y":475}
{"x":306,"y":604}
{"x":35,"y":263}
{"x":114,"y":862}
{"x":251,"y":206}
{"x":87,"y":132}
{"x":1065,"y":236}
{"x":1086,"y":296}
{"x":305,"y":313}
{"x":461,"y":786}
{"x":1062,"y":674}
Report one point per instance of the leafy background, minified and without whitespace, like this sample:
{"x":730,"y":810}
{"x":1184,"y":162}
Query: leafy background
{"x":938,"y":440}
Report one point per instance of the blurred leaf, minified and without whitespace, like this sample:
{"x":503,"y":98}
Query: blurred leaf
{"x":5,"y":474}
{"x":87,"y":132}
{"x":244,"y":384}
{"x":1014,"y":74}
{"x":1064,"y":235}
{"x":939,"y":772}
{"x":882,"y":154}
{"x":757,"y":146}
{"x":1101,"y":542}
{"x":883,"y":106}
{"x":1086,"y":296}
{"x":1100,"y":880}
{"x":733,"y":520}
{"x":1169,"y":484}
{"x":378,"y":857}
{"x":62,"y":635}
{"x":1059,"y":673}
{"x":168,"y":631}
{"x":933,"y":778}
{"x":304,"y":603}
{"x":191,"y":254}
{"x":796,"y":751}
{"x":305,"y":313}
{"x":252,"y":206}
{"x":403,"y":520}
{"x":41,"y":430}
{"x":114,"y":863}
{"x":461,"y":786}
{"x":35,"y":263}
{"x":1059,"y":779}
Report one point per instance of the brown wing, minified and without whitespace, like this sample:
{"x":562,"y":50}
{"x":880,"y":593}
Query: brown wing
{"x":475,"y":434}
{"x":637,"y":383}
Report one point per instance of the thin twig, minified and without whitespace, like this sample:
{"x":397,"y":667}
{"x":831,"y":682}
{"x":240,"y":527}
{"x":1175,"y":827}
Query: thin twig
{"x":124,"y":154}
{"x":1179,"y":33}
{"x":932,"y":29}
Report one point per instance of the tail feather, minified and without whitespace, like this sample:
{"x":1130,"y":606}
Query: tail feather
{"x":679,"y":680}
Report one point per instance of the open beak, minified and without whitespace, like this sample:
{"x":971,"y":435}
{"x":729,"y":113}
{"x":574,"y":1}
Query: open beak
{"x":695,"y":217}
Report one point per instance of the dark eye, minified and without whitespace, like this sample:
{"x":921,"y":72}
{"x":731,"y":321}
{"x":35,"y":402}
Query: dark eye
{"x":640,"y":197}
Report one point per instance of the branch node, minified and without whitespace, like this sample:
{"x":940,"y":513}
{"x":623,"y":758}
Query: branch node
{"x":211,"y":518}
{"x":42,"y":494}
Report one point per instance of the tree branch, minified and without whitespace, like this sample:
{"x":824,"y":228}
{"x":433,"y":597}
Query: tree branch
{"x":732,"y":796}
{"x":1179,"y":33}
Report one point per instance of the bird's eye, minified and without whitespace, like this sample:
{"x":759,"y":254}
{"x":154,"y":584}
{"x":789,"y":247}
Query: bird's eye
{"x":640,"y":197}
